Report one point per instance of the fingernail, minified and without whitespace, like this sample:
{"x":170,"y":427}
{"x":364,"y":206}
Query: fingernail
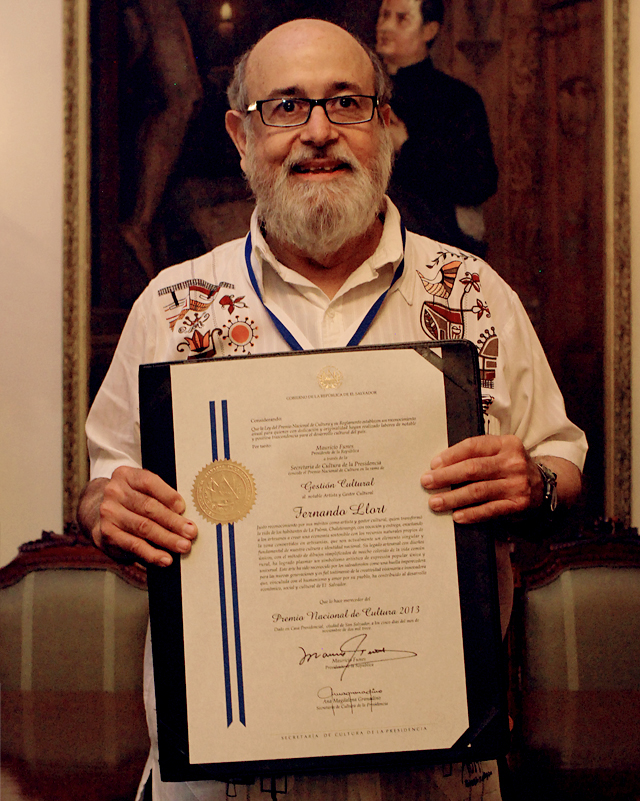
{"x":189,"y":530}
{"x":436,"y":503}
{"x":184,"y":546}
{"x":458,"y":517}
{"x":436,"y":462}
{"x":427,"y":480}
{"x":165,"y":561}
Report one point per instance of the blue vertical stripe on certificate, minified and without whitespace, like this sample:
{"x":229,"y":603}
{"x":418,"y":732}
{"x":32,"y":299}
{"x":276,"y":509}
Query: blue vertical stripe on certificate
{"x":234,"y":577}
{"x":223,"y":622}
{"x":236,"y":621}
{"x":221,"y":580}
{"x":214,"y":431}
{"x":225,"y":430}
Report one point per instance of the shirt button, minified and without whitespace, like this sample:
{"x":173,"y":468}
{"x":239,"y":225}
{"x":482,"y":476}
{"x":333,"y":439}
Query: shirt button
{"x":331,"y":314}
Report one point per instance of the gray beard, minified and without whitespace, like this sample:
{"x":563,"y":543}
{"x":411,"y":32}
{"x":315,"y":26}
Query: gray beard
{"x":319,"y":219}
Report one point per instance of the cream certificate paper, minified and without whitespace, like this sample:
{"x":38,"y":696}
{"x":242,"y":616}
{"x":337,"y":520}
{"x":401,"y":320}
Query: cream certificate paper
{"x":320,"y":600}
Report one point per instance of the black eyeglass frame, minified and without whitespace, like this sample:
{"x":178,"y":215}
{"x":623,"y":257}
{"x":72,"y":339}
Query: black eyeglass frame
{"x":313,"y":102}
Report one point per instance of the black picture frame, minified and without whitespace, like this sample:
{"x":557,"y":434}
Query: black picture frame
{"x":487,"y":735}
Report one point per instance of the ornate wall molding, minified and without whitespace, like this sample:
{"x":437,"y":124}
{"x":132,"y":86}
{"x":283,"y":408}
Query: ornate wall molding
{"x":76,"y":301}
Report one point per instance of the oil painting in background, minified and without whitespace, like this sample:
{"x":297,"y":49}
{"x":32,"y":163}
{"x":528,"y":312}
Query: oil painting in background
{"x":167,"y":186}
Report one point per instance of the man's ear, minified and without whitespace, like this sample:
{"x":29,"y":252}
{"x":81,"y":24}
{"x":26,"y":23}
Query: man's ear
{"x":430,"y":31}
{"x":234,"y":123}
{"x":385,"y":113}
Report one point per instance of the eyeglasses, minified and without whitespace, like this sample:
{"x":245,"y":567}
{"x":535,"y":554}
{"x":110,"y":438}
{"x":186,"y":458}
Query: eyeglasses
{"x":287,"y":112}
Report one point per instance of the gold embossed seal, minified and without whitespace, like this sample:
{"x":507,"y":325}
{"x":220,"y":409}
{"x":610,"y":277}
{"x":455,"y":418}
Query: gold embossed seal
{"x":224,"y":491}
{"x":329,"y":378}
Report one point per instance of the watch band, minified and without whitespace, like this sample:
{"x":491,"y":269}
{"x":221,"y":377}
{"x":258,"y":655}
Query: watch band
{"x":550,"y":481}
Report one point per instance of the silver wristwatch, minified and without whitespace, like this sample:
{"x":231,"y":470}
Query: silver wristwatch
{"x":550,"y":481}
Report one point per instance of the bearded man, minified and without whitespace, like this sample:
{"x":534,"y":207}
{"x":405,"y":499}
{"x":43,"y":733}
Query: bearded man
{"x":327,"y":251}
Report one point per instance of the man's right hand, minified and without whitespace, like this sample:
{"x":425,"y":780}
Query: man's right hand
{"x":131,"y":513}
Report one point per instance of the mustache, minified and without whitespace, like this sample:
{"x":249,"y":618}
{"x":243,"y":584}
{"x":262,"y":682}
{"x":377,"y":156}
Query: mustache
{"x":307,"y":155}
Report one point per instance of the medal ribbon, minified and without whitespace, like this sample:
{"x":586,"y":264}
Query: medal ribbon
{"x":364,"y":326}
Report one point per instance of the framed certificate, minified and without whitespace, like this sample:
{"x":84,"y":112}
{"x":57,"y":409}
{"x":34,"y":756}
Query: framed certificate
{"x":325,"y":618}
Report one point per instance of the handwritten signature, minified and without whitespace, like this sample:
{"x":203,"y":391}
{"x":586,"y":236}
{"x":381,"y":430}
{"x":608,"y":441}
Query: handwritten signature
{"x":349,"y":699}
{"x":352,"y":648}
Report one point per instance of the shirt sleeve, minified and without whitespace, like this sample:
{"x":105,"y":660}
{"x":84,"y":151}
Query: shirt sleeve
{"x":535,"y":412}
{"x":113,"y":424}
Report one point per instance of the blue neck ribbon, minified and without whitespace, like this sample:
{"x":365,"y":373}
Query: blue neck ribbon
{"x":364,"y":326}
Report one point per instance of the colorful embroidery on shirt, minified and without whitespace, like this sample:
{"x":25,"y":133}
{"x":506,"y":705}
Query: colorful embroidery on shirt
{"x":443,"y":287}
{"x":199,"y":345}
{"x":240,"y":334}
{"x":231,"y":303}
{"x":191,"y":296}
{"x":487,"y":400}
{"x":439,"y":320}
{"x":192,"y":323}
{"x":455,"y":308}
{"x":488,"y":357}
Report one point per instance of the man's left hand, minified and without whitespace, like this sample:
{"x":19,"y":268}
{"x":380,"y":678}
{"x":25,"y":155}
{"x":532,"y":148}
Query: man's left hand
{"x":498,"y":477}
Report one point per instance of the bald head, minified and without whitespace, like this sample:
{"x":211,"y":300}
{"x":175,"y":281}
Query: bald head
{"x":293,"y":37}
{"x":312,"y":46}
{"x":290,"y":43}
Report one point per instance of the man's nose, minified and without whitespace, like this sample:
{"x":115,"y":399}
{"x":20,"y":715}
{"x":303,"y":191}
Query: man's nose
{"x":318,"y":128}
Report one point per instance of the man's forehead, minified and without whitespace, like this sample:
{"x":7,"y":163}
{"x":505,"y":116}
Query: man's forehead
{"x":402,"y":7}
{"x":308,"y":57}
